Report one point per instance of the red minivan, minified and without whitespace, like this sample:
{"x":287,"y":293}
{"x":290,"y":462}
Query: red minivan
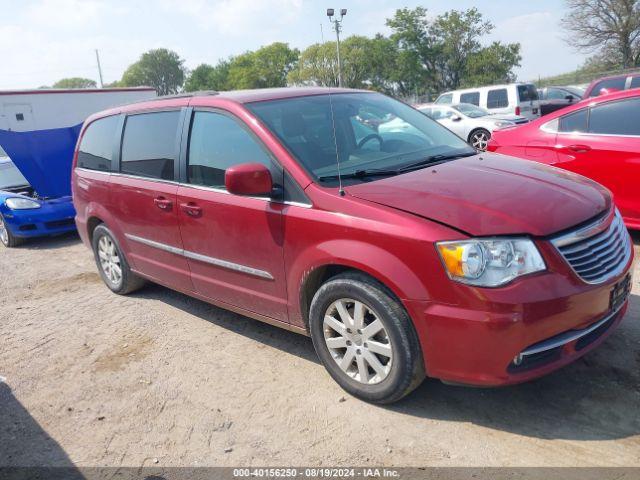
{"x":401,"y":252}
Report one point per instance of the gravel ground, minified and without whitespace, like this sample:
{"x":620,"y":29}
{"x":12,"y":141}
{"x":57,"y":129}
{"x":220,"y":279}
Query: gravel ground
{"x":158,"y":378}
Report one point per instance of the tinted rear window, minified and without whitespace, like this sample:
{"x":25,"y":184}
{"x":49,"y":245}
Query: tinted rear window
{"x":610,"y":83}
{"x":471,"y":97}
{"x":497,"y":98}
{"x":575,"y":122}
{"x":527,"y":93}
{"x":149,"y":145}
{"x":96,"y":148}
{"x":616,"y":118}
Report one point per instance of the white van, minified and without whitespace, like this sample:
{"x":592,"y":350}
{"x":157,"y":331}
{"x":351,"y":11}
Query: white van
{"x":514,"y":98}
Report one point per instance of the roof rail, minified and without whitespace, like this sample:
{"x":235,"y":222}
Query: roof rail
{"x":178,"y":95}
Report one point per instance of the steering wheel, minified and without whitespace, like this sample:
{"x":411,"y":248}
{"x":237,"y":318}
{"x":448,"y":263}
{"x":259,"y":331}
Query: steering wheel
{"x":371,"y":136}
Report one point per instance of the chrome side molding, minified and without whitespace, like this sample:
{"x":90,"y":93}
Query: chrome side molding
{"x":202,"y":258}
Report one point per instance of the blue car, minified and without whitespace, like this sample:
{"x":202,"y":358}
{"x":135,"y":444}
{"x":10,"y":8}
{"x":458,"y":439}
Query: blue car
{"x":25,"y":212}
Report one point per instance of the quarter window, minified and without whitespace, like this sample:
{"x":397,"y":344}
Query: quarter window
{"x":96,"y":147}
{"x":149,"y":145}
{"x":575,"y":122}
{"x":471,"y":97}
{"x":218,"y":142}
{"x":497,"y":98}
{"x":616,"y":118}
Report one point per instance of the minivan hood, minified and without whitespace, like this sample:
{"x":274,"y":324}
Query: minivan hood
{"x":491,"y":194}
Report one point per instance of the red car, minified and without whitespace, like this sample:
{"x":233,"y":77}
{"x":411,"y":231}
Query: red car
{"x":598,"y":138}
{"x":401,"y":252}
{"x":612,"y":84}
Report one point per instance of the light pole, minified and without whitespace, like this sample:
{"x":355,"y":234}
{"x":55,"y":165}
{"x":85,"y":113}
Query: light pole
{"x":337,"y":26}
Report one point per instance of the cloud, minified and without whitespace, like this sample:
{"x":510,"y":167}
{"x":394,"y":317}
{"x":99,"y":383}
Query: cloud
{"x":543,"y":51}
{"x":236,"y":17}
{"x":65,"y":13}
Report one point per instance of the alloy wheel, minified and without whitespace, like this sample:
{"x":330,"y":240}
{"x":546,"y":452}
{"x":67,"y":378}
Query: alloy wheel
{"x":4,"y":233}
{"x":358,"y":341}
{"x":480,"y":140}
{"x":110,"y":260}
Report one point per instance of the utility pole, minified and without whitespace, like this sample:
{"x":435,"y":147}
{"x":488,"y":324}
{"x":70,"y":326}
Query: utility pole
{"x":337,"y":26}
{"x":99,"y":68}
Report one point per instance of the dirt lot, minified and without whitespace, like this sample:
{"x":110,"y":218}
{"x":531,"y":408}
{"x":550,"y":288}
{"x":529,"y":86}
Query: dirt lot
{"x":158,"y":378}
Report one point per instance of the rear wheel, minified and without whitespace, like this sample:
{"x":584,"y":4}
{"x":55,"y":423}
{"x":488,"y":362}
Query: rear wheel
{"x":7,"y":238}
{"x":365,"y":339}
{"x":479,"y":139}
{"x":112,"y":264}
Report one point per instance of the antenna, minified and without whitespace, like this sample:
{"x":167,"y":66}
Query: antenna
{"x":333,"y":118}
{"x":99,"y":68}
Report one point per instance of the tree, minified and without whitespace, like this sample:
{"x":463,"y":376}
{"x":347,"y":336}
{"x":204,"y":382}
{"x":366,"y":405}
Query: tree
{"x":75,"y":82}
{"x":161,"y":68}
{"x":208,"y":77}
{"x":445,"y":52}
{"x":266,"y":67}
{"x":611,"y":26}
{"x":366,"y":63}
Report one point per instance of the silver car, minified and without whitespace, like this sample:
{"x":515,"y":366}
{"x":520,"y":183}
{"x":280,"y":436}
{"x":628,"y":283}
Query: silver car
{"x":471,"y":123}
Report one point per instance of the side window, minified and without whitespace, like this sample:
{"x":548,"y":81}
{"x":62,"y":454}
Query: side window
{"x":497,"y":98}
{"x":616,"y":118}
{"x":612,"y":83}
{"x":635,"y":82}
{"x":218,"y":142}
{"x":96,"y":148}
{"x":149,"y":145}
{"x":575,"y":122}
{"x":471,"y":97}
{"x":557,"y":94}
{"x":446,"y":99}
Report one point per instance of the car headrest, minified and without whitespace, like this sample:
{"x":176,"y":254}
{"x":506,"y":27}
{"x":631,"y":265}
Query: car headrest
{"x":293,"y":124}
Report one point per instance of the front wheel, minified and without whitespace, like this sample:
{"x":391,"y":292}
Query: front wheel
{"x":365,"y":339}
{"x":7,"y":238}
{"x":479,"y":139}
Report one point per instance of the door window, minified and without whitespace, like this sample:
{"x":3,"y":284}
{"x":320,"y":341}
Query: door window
{"x":616,"y":118}
{"x":610,"y":83}
{"x":149,"y":145}
{"x":557,"y":94}
{"x":446,"y":98}
{"x":497,"y":98}
{"x":96,"y":148}
{"x":635,"y":82}
{"x":218,"y":142}
{"x":575,"y":122}
{"x":472,"y":97}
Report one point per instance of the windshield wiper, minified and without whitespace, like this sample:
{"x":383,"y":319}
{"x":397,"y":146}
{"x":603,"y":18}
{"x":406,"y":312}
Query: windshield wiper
{"x":362,"y":174}
{"x":434,"y":159}
{"x":431,"y":160}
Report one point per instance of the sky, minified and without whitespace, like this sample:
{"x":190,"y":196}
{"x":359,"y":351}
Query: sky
{"x":42,"y":41}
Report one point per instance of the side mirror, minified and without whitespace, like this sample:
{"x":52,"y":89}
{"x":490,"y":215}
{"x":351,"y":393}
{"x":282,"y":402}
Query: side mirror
{"x":570,"y":98}
{"x":456,"y":118}
{"x":250,"y":179}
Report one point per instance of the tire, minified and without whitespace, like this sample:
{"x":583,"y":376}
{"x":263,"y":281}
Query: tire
{"x":7,"y":238}
{"x":112,"y":264}
{"x":479,"y":139}
{"x":399,"y":368}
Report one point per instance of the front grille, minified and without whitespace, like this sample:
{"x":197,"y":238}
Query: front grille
{"x":597,"y":252}
{"x":68,"y":222}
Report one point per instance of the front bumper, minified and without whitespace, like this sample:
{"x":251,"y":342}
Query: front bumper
{"x":517,"y":333}
{"x":52,"y":218}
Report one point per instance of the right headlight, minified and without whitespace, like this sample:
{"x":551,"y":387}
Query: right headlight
{"x":19,"y":203}
{"x":490,"y":262}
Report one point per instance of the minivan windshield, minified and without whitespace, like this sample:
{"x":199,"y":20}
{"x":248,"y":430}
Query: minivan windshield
{"x":374,"y":135}
{"x":471,"y":110}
